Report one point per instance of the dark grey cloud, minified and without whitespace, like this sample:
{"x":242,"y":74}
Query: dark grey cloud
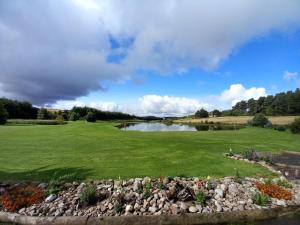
{"x":51,"y":50}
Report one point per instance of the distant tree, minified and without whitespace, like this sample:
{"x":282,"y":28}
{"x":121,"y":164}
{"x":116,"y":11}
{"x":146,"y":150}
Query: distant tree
{"x":216,"y":113}
{"x":259,"y":120}
{"x":227,"y":112}
{"x":91,"y":117}
{"x":202,"y":113}
{"x":60,"y":118}
{"x":43,"y":114}
{"x":19,"y":110}
{"x":74,"y":116}
{"x":252,"y":106}
{"x":295,"y":126}
{"x":3,"y":114}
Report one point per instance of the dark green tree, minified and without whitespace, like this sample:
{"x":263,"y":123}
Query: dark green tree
{"x":43,"y":114}
{"x":3,"y":114}
{"x":216,"y":113}
{"x":91,"y":117}
{"x":74,"y":116}
{"x":202,"y":113}
{"x":295,"y":126}
{"x":259,"y":120}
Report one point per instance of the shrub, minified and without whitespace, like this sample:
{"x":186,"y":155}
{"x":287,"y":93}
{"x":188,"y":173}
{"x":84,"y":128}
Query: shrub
{"x":250,"y":155}
{"x":22,"y":196}
{"x":259,"y":120}
{"x":274,"y":191}
{"x":260,"y":199}
{"x":91,"y":117}
{"x":268,"y":125}
{"x":88,"y":196}
{"x":3,"y":114}
{"x":147,"y":191}
{"x":202,"y":113}
{"x":280,"y":128}
{"x":284,"y":183}
{"x":295,"y":126}
{"x":200,"y":198}
{"x":237,"y":178}
{"x":56,"y":181}
{"x":74,"y":116}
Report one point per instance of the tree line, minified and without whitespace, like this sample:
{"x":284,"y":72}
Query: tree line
{"x":281,"y":104}
{"x":284,"y":103}
{"x":12,"y":109}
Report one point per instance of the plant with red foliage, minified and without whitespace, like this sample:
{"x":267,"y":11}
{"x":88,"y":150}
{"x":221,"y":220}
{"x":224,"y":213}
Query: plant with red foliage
{"x":200,"y":183}
{"x":274,"y":191}
{"x":21,"y":196}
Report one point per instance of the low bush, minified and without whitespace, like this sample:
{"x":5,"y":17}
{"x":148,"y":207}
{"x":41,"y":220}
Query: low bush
{"x":57,"y":180}
{"x":274,"y":191}
{"x":260,"y":199}
{"x":237,"y":178}
{"x":88,"y":196}
{"x":147,"y":190}
{"x":200,"y":198}
{"x":35,"y":122}
{"x":284,"y":183}
{"x":22,"y":196}
{"x":91,"y":117}
{"x":259,"y":120}
{"x":280,"y":128}
{"x":295,"y":126}
{"x":250,"y":154}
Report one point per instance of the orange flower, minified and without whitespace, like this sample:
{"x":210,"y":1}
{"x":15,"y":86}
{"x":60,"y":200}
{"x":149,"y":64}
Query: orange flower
{"x":274,"y":191}
{"x":21,"y":196}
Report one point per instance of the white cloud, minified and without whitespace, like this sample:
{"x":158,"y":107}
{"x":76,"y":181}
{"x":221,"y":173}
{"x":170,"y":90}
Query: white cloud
{"x":105,"y":106}
{"x":290,"y":75}
{"x":168,"y":105}
{"x":158,"y":105}
{"x":238,"y":92}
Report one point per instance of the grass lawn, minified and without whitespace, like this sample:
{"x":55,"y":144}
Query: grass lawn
{"x":100,"y":150}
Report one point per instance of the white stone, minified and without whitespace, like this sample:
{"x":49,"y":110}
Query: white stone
{"x":193,"y":209}
{"x":219,"y":192}
{"x":152,"y":209}
{"x":128,"y":208}
{"x":280,"y":202}
{"x":50,"y":198}
{"x":137,"y":207}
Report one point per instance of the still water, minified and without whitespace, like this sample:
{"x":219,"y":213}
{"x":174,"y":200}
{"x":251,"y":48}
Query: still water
{"x":148,"y":127}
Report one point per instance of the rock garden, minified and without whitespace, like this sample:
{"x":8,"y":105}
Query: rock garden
{"x":146,"y":196}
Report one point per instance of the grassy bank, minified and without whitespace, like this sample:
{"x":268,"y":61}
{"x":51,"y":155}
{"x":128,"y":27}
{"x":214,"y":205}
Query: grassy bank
{"x":276,"y":120}
{"x":100,"y":150}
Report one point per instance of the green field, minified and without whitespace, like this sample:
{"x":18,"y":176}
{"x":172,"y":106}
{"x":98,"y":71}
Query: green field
{"x":100,"y":150}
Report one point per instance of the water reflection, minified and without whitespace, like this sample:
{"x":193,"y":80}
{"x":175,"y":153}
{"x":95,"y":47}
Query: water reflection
{"x":175,"y":127}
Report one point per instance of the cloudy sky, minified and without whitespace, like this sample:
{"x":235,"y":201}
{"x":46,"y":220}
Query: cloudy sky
{"x":167,"y":57}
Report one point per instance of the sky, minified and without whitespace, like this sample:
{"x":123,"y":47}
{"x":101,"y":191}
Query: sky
{"x":162,"y":58}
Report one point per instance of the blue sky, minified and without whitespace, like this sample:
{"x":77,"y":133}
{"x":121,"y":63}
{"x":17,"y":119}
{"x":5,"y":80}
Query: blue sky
{"x":164,"y":57}
{"x":261,"y":62}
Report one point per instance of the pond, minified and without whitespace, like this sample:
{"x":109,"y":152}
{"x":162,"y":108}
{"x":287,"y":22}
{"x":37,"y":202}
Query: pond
{"x":156,"y":126}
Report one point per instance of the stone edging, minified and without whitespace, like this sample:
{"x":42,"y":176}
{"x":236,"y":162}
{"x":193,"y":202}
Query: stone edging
{"x":184,"y":219}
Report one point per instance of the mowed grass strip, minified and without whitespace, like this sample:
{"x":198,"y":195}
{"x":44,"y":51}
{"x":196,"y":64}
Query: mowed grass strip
{"x":276,"y":120}
{"x":100,"y":150}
